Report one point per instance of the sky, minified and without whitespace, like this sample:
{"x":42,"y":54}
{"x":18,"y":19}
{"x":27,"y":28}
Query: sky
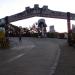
{"x":10,"y":7}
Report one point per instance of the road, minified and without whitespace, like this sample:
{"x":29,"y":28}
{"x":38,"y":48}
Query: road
{"x":31,"y":56}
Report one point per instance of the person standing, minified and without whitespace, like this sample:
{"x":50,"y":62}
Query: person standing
{"x":20,"y":34}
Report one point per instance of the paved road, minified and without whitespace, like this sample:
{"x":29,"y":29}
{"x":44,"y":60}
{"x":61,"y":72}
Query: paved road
{"x":31,"y":56}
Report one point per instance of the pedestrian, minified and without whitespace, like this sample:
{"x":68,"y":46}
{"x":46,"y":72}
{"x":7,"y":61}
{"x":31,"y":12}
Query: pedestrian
{"x":19,"y":38}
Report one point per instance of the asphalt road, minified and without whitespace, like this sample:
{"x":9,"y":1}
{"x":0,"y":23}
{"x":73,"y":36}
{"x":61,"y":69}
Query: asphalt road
{"x":31,"y":56}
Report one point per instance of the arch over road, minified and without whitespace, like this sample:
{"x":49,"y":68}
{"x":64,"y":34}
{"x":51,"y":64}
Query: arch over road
{"x":42,"y":12}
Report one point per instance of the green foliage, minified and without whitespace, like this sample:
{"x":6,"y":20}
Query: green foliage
{"x":51,"y":35}
{"x":4,"y":43}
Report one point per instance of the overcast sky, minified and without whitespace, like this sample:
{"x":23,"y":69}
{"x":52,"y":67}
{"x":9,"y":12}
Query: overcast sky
{"x":10,"y":7}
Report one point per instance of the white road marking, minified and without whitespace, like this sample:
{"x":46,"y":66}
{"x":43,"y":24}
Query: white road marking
{"x":23,"y":47}
{"x":14,"y":58}
{"x":53,"y":68}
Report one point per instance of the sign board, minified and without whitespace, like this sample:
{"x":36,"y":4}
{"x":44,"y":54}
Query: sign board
{"x":2,"y":29}
{"x":2,"y":22}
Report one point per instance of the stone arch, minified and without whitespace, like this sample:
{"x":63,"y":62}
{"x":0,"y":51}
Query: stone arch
{"x":42,"y":12}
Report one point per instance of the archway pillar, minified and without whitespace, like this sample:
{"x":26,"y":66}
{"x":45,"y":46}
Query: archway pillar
{"x":69,"y":28}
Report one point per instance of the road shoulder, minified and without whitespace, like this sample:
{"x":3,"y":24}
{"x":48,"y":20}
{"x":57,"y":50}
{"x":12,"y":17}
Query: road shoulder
{"x":66,"y":64}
